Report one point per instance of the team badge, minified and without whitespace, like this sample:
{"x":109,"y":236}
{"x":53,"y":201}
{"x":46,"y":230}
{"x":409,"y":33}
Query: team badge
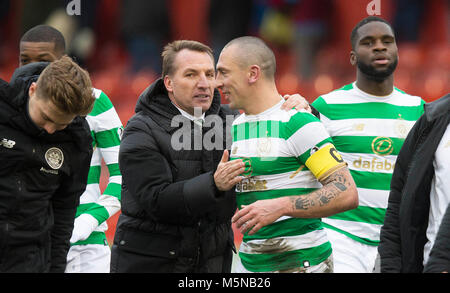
{"x":54,"y":158}
{"x":359,"y":127}
{"x":264,"y":146}
{"x":401,"y":127}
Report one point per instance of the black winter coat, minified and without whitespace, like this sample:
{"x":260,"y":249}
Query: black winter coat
{"x":403,"y":234}
{"x":173,"y":219}
{"x":439,"y":260}
{"x":38,"y":195}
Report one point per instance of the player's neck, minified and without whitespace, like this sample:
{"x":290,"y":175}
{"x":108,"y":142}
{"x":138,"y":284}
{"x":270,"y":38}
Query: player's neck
{"x":375,"y":88}
{"x":264,"y":98}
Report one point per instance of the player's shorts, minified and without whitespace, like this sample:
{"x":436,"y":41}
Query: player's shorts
{"x":350,"y":256}
{"x":90,"y":258}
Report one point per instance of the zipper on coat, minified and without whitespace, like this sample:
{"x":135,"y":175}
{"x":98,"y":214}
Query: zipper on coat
{"x":197,"y":261}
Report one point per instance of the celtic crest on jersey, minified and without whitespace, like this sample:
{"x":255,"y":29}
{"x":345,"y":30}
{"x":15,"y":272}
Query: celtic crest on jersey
{"x":54,"y":157}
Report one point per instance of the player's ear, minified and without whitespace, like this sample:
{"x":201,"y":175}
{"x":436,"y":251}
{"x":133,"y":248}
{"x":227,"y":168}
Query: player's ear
{"x":168,"y":83}
{"x":353,"y":58}
{"x":254,"y":73}
{"x":32,"y":89}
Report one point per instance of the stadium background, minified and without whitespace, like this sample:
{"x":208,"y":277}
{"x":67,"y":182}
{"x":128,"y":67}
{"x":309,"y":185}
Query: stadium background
{"x":119,"y":41}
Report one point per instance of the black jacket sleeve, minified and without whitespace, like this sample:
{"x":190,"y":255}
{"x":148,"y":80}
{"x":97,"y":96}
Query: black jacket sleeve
{"x":64,"y":204}
{"x":390,"y":238}
{"x":439,"y":260}
{"x":147,"y":179}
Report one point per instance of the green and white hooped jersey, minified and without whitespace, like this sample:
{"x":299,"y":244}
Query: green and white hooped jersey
{"x":275,"y":146}
{"x":368,"y":131}
{"x":106,"y":130}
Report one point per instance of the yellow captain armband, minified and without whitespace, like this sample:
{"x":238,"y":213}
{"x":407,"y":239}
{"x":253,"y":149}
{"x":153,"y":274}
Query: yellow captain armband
{"x":325,"y":161}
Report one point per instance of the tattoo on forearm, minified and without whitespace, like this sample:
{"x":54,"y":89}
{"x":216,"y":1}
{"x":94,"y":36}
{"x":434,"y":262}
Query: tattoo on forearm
{"x":341,"y":186}
{"x":303,"y":203}
{"x":339,"y":181}
{"x":335,"y":184}
{"x":324,"y":199}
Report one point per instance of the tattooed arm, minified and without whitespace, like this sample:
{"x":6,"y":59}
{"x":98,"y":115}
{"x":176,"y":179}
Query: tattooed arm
{"x":338,"y":194}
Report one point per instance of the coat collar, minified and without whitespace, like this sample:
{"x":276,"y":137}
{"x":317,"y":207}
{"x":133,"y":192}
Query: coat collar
{"x":437,"y":108}
{"x":155,"y":102}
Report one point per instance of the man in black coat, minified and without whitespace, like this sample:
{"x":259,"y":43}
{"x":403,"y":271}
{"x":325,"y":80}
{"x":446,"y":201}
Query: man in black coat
{"x":176,"y":198}
{"x":45,"y":150}
{"x":177,"y":188}
{"x":419,"y":194}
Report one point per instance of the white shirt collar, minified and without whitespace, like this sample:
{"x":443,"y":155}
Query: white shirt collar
{"x":189,"y":116}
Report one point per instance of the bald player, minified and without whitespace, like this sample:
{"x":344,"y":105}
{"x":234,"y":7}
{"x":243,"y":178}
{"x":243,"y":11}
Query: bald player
{"x":294,"y":175}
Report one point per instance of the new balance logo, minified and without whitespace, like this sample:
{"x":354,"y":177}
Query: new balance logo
{"x":9,"y":144}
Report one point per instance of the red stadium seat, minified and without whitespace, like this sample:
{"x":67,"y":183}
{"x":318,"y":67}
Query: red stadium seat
{"x":411,"y":56}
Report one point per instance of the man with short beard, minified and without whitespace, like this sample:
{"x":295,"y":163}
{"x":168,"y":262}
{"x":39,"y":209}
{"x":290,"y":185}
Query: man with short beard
{"x":368,"y":121}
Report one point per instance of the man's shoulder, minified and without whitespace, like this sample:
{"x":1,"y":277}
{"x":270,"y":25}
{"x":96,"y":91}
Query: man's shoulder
{"x":5,"y":89}
{"x":300,"y":119}
{"x":6,"y":107}
{"x":143,"y":122}
{"x":337,"y":96}
{"x":282,"y":120}
{"x":139,"y":118}
{"x":409,"y":99}
{"x":438,"y":108}
{"x":349,"y":94}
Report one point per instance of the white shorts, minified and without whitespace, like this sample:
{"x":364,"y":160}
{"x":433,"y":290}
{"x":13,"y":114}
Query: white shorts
{"x":350,"y":256}
{"x":91,"y":258}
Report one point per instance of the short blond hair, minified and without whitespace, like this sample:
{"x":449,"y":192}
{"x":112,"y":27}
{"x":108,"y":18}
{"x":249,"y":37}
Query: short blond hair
{"x":68,"y":86}
{"x":172,"y":49}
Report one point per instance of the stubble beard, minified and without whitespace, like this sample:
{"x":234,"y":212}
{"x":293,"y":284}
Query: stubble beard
{"x":376,"y":75}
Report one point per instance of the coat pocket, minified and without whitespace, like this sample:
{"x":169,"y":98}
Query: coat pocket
{"x":144,"y":252}
{"x":149,"y":243}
